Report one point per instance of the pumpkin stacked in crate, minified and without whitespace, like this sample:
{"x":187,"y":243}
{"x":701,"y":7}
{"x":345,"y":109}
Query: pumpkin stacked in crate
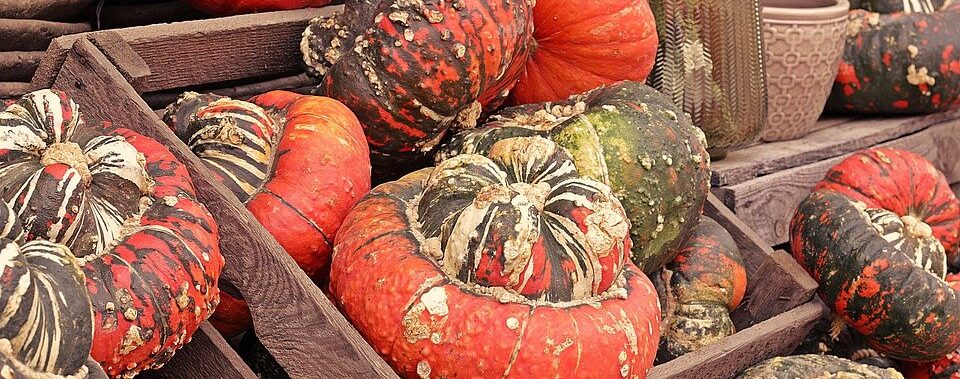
{"x":126,"y":208}
{"x":629,"y":136}
{"x":508,"y":263}
{"x":413,"y":70}
{"x":580,"y":45}
{"x":46,"y":306}
{"x":816,"y":366}
{"x":873,"y":235}
{"x":900,"y":57}
{"x":298,"y":163}
{"x":699,"y":289}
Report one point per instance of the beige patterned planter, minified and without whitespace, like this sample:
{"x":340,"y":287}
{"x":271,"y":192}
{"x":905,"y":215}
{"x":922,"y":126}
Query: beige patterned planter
{"x":804,"y":43}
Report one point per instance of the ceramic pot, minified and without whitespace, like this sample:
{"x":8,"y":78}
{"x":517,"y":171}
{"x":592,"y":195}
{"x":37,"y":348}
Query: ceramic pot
{"x":804,"y":44}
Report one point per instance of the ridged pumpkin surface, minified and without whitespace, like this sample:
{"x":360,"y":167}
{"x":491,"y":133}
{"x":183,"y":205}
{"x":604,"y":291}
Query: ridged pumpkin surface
{"x":581,"y":45}
{"x":629,"y":136}
{"x":816,"y":366}
{"x":126,"y":207}
{"x":47,"y":322}
{"x":413,"y":70}
{"x":904,"y":183}
{"x":707,"y":281}
{"x":899,"y":63}
{"x":299,"y":163}
{"x":508,"y":264}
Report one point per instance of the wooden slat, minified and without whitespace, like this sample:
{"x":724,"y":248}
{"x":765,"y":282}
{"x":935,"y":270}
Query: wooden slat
{"x":206,"y":356}
{"x":767,"y":203}
{"x":159,"y":100}
{"x":777,"y":336}
{"x":13,"y":89}
{"x":295,"y":321}
{"x":844,"y":135}
{"x":18,"y":66}
{"x":775,"y":282}
{"x":52,"y":10}
{"x":34,"y":35}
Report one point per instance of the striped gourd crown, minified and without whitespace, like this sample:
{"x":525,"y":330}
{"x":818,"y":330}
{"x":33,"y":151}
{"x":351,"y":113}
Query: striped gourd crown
{"x":522,"y":218}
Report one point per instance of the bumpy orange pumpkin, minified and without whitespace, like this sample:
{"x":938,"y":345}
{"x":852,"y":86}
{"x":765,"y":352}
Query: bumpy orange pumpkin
{"x":508,"y":264}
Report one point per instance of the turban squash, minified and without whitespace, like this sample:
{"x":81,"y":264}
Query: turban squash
{"x":298,"y":163}
{"x":701,"y":286}
{"x":47,"y":323}
{"x":899,"y":62}
{"x":413,"y":70}
{"x":870,"y":235}
{"x":126,"y":208}
{"x":816,"y":366}
{"x":232,"y":7}
{"x":580,"y":45}
{"x":626,"y":135}
{"x":504,"y":264}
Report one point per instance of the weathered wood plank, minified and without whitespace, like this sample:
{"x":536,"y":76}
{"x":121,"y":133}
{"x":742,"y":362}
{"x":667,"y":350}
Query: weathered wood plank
{"x":159,"y":100}
{"x":767,"y":203}
{"x":34,"y":35}
{"x":206,"y":356}
{"x":13,"y":89}
{"x":844,"y":135}
{"x":779,"y":335}
{"x":775,"y":282}
{"x":19,"y":66}
{"x":52,"y":10}
{"x":294,"y":320}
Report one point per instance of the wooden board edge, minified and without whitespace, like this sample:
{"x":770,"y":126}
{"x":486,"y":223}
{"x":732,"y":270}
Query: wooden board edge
{"x":321,"y":339}
{"x":776,"y":336}
{"x":207,"y":355}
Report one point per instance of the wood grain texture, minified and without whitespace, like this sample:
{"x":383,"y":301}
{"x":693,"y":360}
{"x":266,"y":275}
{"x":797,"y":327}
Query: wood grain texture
{"x":158,"y":100}
{"x":767,"y":203}
{"x":294,"y":320}
{"x":122,"y":56}
{"x":10,"y":90}
{"x":775,"y":282}
{"x":19,"y":66}
{"x":839,"y":136}
{"x":34,"y":35}
{"x":779,"y":335}
{"x":206,"y":356}
{"x":52,"y":10}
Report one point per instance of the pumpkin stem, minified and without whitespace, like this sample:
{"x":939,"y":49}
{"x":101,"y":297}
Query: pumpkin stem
{"x":70,"y":154}
{"x":836,"y":327}
{"x":915,"y":227}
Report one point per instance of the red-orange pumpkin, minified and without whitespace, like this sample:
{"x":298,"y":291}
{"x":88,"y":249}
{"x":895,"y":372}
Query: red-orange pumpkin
{"x":127,"y":209}
{"x":904,"y":183}
{"x":233,"y":7}
{"x":414,"y":70}
{"x":298,"y":162}
{"x":581,"y":45}
{"x":504,"y":265}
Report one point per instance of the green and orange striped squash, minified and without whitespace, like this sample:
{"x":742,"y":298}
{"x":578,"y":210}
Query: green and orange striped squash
{"x":629,"y":136}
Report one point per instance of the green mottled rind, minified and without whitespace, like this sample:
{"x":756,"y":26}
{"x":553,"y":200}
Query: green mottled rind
{"x":653,"y":157}
{"x":816,"y":366}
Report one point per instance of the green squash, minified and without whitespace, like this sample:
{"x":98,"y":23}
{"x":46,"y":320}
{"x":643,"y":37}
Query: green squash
{"x":626,"y":135}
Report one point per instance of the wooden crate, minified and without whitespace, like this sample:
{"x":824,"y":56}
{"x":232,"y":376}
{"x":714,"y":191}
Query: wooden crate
{"x":778,"y":311}
{"x":764,"y":183}
{"x":125,"y":74}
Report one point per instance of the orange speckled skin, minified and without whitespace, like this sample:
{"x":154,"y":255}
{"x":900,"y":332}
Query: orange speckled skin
{"x":904,"y":183}
{"x":319,"y":169}
{"x":233,"y":7}
{"x":581,"y":45}
{"x":874,"y":289}
{"x":708,"y":262}
{"x":388,"y":290}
